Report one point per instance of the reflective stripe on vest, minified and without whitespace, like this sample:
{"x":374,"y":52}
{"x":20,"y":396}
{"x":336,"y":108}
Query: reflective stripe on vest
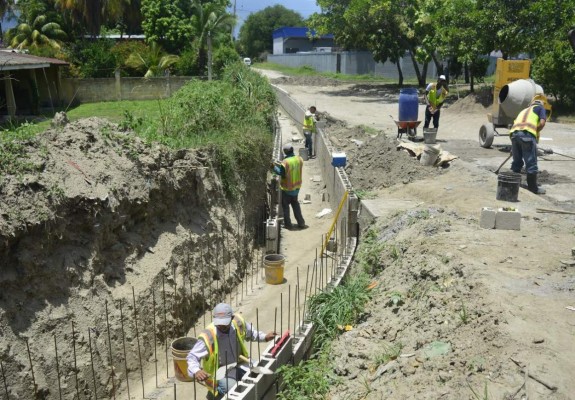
{"x":291,"y":180}
{"x":527,"y":120}
{"x":210,"y":364}
{"x":432,"y":96}
{"x":309,"y":124}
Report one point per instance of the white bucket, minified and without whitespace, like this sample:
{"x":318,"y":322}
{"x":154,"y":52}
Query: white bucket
{"x":429,"y":135}
{"x":304,"y":153}
{"x":429,"y":155}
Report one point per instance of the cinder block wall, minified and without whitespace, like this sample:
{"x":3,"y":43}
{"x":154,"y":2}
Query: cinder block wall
{"x":112,"y":89}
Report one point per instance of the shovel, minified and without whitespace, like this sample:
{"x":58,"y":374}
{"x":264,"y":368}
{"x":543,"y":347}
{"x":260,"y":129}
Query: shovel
{"x":503,"y":163}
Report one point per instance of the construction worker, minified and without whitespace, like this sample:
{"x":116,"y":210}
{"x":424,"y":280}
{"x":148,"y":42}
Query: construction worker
{"x":290,"y":171}
{"x":435,"y":94}
{"x":220,"y":344}
{"x":309,"y":129}
{"x":524,"y":136}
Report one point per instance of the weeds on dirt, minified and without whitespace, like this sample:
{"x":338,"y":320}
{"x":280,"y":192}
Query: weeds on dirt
{"x":343,"y":305}
{"x":390,"y":352}
{"x":463,"y":314}
{"x":308,"y":380}
{"x":14,"y":158}
{"x":483,"y":396}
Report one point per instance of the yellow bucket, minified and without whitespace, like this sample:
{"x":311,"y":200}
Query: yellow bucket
{"x":180,"y":349}
{"x":274,"y":268}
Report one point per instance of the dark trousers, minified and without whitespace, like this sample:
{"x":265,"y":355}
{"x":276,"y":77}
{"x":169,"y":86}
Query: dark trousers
{"x":308,"y":142}
{"x":288,"y":200}
{"x":429,"y":115}
{"x":524,"y":149}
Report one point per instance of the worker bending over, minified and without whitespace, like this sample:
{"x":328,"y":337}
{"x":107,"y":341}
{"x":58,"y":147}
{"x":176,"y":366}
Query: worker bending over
{"x":524,"y":135}
{"x":435,"y":94}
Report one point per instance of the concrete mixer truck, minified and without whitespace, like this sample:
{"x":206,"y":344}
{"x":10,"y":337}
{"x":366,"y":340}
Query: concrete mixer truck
{"x":513,"y":92}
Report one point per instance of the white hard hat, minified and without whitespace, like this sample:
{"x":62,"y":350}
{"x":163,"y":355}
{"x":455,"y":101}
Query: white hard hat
{"x":442,"y":77}
{"x":308,"y":113}
{"x":288,"y":148}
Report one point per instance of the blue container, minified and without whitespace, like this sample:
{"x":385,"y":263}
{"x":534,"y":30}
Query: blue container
{"x":408,"y":104}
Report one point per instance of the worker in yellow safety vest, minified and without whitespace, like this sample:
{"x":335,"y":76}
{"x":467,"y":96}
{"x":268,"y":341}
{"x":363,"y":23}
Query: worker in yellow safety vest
{"x":220,"y":344}
{"x":435,"y":94}
{"x":290,"y":170}
{"x":309,"y":129}
{"x":524,"y":136}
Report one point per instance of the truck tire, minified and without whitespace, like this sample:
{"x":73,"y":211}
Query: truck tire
{"x":486,"y":135}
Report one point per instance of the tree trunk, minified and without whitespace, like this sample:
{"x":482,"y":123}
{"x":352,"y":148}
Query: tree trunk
{"x":209,"y":56}
{"x":411,"y":50}
{"x":438,"y":66}
{"x":399,"y":72}
{"x":424,"y":72}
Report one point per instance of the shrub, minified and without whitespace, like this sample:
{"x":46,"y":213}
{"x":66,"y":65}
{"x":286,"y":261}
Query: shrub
{"x":94,"y":59}
{"x":223,"y":56}
{"x":122,"y":51}
{"x":187,"y":65}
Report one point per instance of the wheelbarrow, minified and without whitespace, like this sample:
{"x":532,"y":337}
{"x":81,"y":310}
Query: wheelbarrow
{"x":407,"y":127}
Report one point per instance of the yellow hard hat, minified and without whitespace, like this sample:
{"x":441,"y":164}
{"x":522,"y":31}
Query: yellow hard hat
{"x":539,"y":99}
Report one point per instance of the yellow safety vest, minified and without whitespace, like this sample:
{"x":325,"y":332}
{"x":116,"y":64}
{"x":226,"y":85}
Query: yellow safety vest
{"x":527,"y":120}
{"x":210,"y":364}
{"x":291,"y":180}
{"x":309,"y":123}
{"x":435,"y":100}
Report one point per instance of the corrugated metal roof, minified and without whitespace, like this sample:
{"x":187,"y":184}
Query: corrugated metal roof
{"x":11,"y":60}
{"x":297,"y":32}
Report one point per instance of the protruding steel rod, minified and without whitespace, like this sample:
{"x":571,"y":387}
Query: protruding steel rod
{"x":195,"y":391}
{"x":75,"y":360}
{"x":298,"y":306}
{"x":92,"y":362}
{"x":258,"y":329}
{"x":305,"y":292}
{"x":31,"y":367}
{"x":275,"y":323}
{"x":57,"y":367}
{"x":281,"y":311}
{"x":154,"y":332}
{"x":138,"y":342}
{"x":288,"y":307}
{"x":252,"y":271}
{"x":124,"y":346}
{"x":174,"y":308}
{"x":175,"y":392}
{"x":316,"y":273}
{"x":165,"y":320}
{"x":4,"y":379}
{"x":295,"y":307}
{"x":299,"y":311}
{"x":110,"y":351}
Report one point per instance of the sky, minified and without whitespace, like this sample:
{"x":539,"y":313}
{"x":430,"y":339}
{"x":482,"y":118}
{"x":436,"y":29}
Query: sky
{"x":245,"y":7}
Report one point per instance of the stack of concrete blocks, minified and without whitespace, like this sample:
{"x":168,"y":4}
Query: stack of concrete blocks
{"x":255,"y":386}
{"x":500,"y":219}
{"x":272,"y":236}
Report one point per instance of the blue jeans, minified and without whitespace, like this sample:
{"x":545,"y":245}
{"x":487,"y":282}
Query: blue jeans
{"x":308,"y":142}
{"x":228,"y":382}
{"x":288,"y":200}
{"x":524,"y":149}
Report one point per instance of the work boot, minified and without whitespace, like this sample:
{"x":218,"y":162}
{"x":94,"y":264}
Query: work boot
{"x":532,"y":184}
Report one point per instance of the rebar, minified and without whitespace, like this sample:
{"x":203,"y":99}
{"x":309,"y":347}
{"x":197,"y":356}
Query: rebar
{"x":31,"y":367}
{"x":92,"y":362}
{"x":288,"y":306}
{"x":4,"y":379}
{"x":275,"y":324}
{"x":195,"y":390}
{"x":154,"y":330}
{"x":252,"y":270}
{"x":75,"y":360}
{"x":298,"y":305}
{"x":281,"y":311}
{"x":175,"y":392}
{"x":174,"y":308}
{"x":305,"y":292}
{"x":138,"y":341}
{"x":124,"y":346}
{"x":57,"y":367}
{"x":165,"y":320}
{"x":258,"y":329}
{"x":110,"y":351}
{"x":295,"y":307}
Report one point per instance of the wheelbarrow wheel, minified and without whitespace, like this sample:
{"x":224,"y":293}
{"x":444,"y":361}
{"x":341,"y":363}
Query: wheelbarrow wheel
{"x":486,"y":135}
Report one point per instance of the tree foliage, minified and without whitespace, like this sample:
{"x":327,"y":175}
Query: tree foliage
{"x":256,"y":32}
{"x":168,"y":23}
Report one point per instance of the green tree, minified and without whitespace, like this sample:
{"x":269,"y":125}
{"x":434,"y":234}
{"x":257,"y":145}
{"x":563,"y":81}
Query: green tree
{"x":256,"y":33}
{"x":154,"y":61}
{"x":36,"y":35}
{"x":210,"y":21}
{"x":168,"y":23}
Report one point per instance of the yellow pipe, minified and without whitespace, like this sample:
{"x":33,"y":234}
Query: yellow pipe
{"x":328,"y":236}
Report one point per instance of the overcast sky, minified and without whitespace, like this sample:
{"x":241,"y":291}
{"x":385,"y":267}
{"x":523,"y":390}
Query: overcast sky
{"x":245,"y":7}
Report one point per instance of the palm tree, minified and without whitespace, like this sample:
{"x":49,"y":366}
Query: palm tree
{"x":93,"y":12}
{"x":209,"y":19}
{"x":156,"y":61}
{"x":41,"y":33}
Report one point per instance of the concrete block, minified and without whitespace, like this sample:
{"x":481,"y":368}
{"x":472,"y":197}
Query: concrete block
{"x":508,"y":220}
{"x":487,"y":220}
{"x":243,"y":390}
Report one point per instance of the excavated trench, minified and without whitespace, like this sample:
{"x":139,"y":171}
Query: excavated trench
{"x":110,"y":248}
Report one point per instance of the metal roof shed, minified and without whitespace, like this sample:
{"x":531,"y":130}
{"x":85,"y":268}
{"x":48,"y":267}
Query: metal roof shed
{"x":24,"y":91}
{"x":293,"y":39}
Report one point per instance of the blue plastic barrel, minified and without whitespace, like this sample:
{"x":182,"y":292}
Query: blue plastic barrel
{"x":408,"y":104}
